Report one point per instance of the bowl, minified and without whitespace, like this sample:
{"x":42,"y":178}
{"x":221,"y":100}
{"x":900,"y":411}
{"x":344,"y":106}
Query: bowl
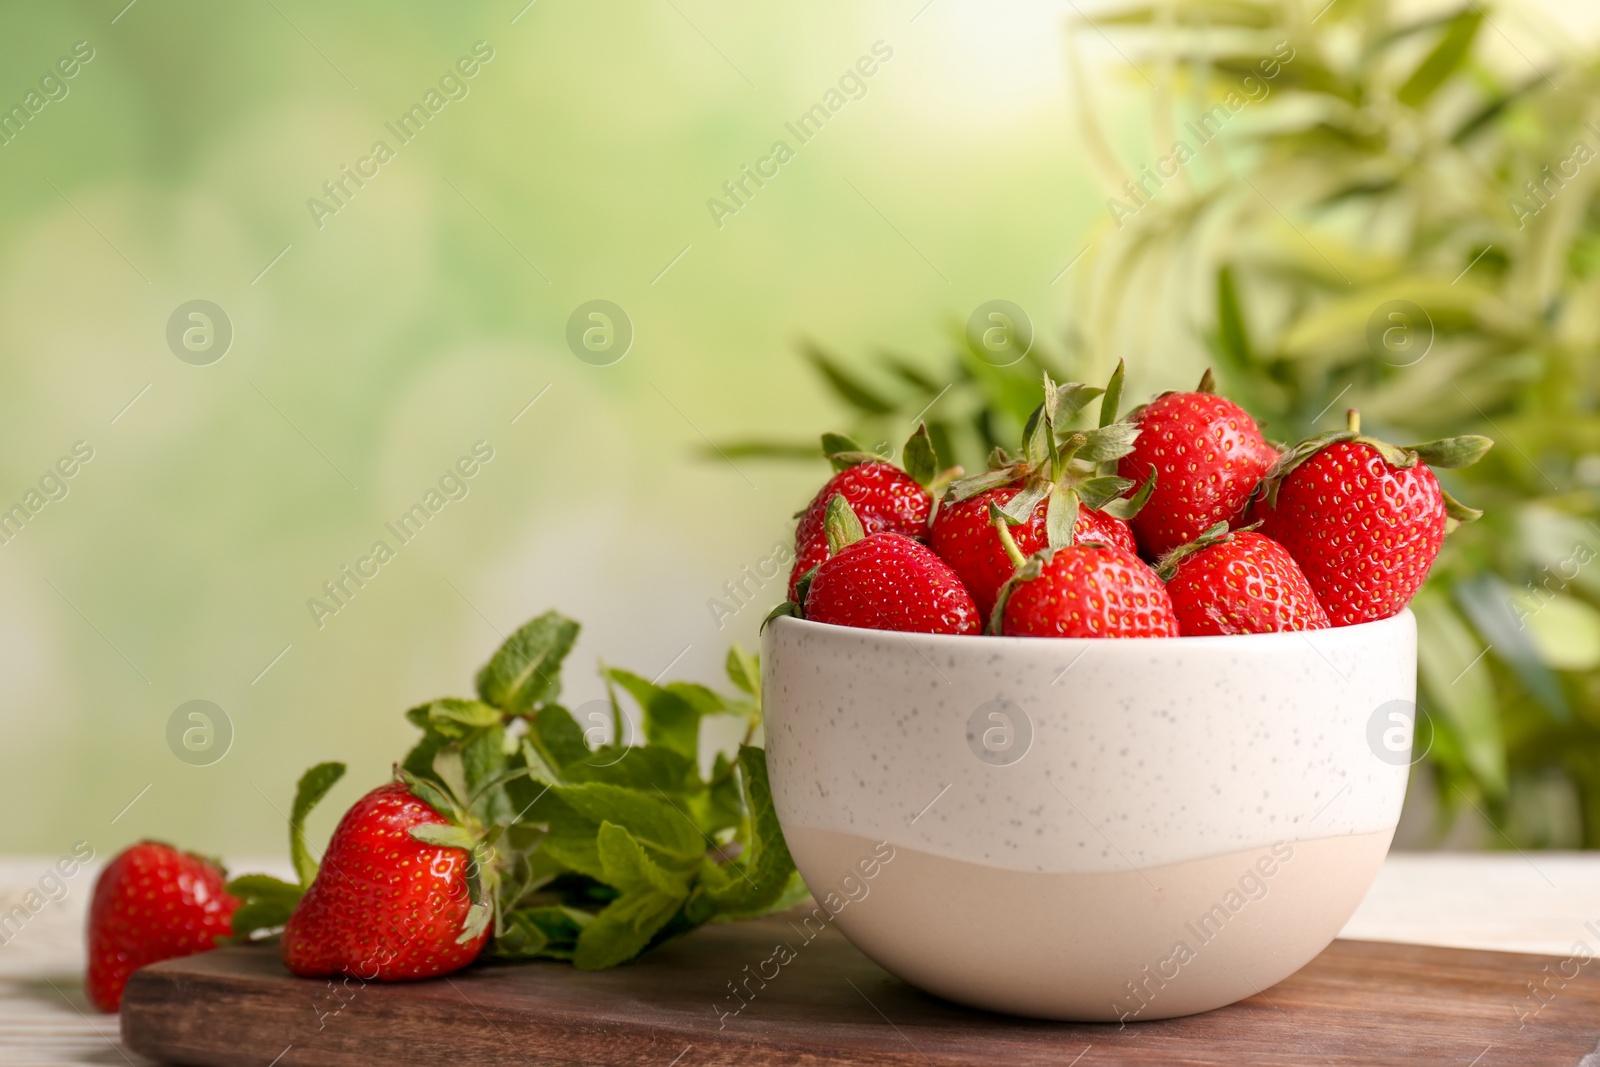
{"x":1088,"y":830}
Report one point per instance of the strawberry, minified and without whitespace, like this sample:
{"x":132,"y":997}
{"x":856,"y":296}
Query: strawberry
{"x":1238,"y":583}
{"x":389,"y":903}
{"x":1054,"y":492}
{"x":963,"y":537}
{"x":1363,"y":518}
{"x":1087,"y":590}
{"x":884,"y":497}
{"x":883,"y":581}
{"x":1207,"y":456}
{"x":152,"y":903}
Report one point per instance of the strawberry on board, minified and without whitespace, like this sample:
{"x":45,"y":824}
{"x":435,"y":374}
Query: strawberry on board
{"x":152,"y":903}
{"x":1085,"y":589}
{"x":883,"y":581}
{"x":1207,"y":455}
{"x":1057,"y":490}
{"x":884,"y":497}
{"x":1363,"y":518}
{"x":1238,"y":582}
{"x":394,"y":898}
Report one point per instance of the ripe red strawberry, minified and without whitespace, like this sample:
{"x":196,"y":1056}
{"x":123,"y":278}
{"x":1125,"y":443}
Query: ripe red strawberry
{"x":1088,"y":590}
{"x":152,"y":903}
{"x":1238,"y":583}
{"x":964,"y":537}
{"x":884,"y":581}
{"x":884,"y":497}
{"x":1207,"y":455}
{"x":385,"y":905}
{"x":1363,"y":518}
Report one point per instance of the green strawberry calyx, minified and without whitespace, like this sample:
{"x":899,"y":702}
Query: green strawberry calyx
{"x":918,"y":457}
{"x":843,"y":528}
{"x":465,"y":831}
{"x":1068,"y":468}
{"x":1448,"y":453}
{"x":1218,"y":534}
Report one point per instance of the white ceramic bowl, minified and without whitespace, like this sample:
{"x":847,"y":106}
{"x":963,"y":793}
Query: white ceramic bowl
{"x":1089,"y":829}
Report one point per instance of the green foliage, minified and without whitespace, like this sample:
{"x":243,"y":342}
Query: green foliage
{"x":597,"y":853}
{"x":1377,"y":161}
{"x":1389,"y":164}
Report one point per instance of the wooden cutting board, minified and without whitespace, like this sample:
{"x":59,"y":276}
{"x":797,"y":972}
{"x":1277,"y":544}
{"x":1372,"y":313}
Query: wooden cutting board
{"x":1358,"y":1003}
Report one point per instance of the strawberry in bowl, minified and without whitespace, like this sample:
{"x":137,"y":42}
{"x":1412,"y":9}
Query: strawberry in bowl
{"x":1148,"y":787}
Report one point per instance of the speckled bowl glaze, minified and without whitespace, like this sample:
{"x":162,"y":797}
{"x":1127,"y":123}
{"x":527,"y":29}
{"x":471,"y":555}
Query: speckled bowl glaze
{"x":1093,"y":830}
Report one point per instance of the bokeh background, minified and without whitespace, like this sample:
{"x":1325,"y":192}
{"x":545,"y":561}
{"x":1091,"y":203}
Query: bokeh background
{"x":373,"y":347}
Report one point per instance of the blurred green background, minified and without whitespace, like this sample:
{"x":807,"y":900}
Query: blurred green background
{"x":373,"y":351}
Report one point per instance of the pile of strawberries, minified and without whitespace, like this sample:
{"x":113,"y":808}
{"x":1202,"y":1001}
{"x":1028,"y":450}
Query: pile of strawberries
{"x":1179,"y":519}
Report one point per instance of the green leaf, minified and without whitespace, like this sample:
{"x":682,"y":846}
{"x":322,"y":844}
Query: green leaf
{"x":1459,"y":689}
{"x":849,"y":388}
{"x":544,"y":932}
{"x":558,"y":736}
{"x":757,"y":880}
{"x":419,"y":761}
{"x":536,"y":766}
{"x":1446,"y":57}
{"x":671,"y":714}
{"x":1490,"y":602}
{"x":624,"y":929}
{"x":651,"y":818}
{"x":526,"y":669}
{"x":1233,"y":337}
{"x":642,"y":767}
{"x":459,"y":715}
{"x":312,"y":787}
{"x":919,"y":457}
{"x":744,"y":670}
{"x":483,"y":764}
{"x":627,"y":866}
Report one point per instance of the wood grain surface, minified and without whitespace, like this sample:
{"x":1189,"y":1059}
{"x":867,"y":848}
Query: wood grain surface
{"x":1358,"y":1003}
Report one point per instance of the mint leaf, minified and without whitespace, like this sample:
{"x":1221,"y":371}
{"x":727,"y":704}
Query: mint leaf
{"x":526,"y":669}
{"x":558,"y":736}
{"x":626,"y":865}
{"x":463,"y":714}
{"x":312,"y":787}
{"x":546,"y":932}
{"x":744,"y":670}
{"x":654,"y":820}
{"x":624,"y":929}
{"x":641,"y":767}
{"x":754,"y":883}
{"x":672,"y":713}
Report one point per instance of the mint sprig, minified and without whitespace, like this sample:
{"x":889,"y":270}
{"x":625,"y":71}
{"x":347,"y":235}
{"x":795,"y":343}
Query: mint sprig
{"x":588,"y":854}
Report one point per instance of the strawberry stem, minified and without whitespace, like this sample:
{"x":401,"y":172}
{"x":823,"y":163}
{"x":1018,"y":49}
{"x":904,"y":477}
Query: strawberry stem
{"x":1003,"y":528}
{"x":1353,"y":420}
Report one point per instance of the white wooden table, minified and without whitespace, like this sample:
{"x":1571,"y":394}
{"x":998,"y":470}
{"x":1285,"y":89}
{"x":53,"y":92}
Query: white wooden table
{"x":1540,"y":902}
